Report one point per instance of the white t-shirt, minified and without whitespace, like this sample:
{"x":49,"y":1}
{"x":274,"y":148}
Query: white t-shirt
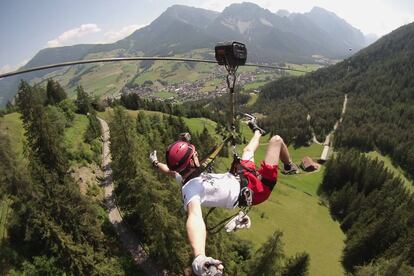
{"x":211,"y":190}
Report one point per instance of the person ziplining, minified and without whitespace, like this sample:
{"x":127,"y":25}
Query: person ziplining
{"x":242,"y":187}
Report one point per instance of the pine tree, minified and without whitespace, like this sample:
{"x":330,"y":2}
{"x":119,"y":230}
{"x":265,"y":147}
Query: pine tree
{"x":142,"y":123}
{"x":55,"y":93}
{"x":57,"y":221}
{"x":207,"y":142}
{"x":269,"y":257}
{"x":28,"y":99}
{"x":297,"y":265}
{"x":94,"y":128}
{"x":83,"y":101}
{"x":124,"y":149}
{"x":384,"y":267}
{"x":150,"y":206}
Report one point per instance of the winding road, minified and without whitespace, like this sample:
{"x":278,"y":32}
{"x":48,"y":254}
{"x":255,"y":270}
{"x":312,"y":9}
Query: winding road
{"x":129,"y":240}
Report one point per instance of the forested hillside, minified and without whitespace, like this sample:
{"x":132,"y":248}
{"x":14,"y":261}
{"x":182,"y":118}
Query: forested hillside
{"x":53,"y":228}
{"x":375,"y":212}
{"x":379,"y":81}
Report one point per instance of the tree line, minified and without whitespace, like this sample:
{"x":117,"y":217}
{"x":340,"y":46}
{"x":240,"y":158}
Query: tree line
{"x":375,"y":211}
{"x":53,"y":228}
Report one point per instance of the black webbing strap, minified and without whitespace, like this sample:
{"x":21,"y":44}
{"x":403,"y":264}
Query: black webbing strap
{"x":217,"y":228}
{"x":206,"y":162}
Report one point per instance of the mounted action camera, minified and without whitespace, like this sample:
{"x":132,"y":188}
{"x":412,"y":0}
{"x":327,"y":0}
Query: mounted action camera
{"x":231,"y":53}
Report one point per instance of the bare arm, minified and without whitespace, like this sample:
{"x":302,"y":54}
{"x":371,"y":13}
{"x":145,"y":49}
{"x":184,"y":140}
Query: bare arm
{"x":161,"y":167}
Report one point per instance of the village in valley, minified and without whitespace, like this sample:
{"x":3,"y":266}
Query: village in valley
{"x":199,"y":89}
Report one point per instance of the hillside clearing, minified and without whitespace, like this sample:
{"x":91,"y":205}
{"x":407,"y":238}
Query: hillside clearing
{"x":12,"y":126}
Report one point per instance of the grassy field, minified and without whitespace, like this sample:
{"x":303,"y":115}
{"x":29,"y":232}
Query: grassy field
{"x":303,"y":67}
{"x":12,"y":126}
{"x":253,"y":99}
{"x":164,"y":94}
{"x":254,"y":85}
{"x":394,"y":169}
{"x":74,"y":143}
{"x":196,"y":125}
{"x":306,"y":225}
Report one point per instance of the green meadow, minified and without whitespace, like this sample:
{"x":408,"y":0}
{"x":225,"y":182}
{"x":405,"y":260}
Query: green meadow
{"x":254,"y":85}
{"x":12,"y":126}
{"x":303,"y":67}
{"x":196,"y":125}
{"x":74,"y":140}
{"x":164,"y":94}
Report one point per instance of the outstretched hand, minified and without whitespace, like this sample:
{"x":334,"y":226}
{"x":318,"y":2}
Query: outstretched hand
{"x":153,"y":157}
{"x":185,"y":136}
{"x":203,"y":265}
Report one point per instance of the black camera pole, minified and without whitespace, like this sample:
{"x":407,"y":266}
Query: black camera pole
{"x":231,"y":81}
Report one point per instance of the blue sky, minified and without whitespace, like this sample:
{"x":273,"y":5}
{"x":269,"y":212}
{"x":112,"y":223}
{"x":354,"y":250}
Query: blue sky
{"x":27,"y":26}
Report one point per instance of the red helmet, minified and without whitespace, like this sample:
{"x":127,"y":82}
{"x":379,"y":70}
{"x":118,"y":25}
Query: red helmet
{"x":179,"y":155}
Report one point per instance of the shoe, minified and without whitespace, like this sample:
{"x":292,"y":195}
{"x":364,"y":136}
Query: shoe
{"x":252,"y":123}
{"x":291,"y":168}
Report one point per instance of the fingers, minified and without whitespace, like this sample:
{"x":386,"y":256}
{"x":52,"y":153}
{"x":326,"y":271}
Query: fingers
{"x":215,"y":262}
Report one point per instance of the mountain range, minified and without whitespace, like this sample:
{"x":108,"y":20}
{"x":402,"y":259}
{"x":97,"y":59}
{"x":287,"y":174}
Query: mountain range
{"x":269,"y":37}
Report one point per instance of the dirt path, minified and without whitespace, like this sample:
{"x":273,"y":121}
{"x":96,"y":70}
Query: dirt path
{"x":329,"y":136}
{"x":129,"y":240}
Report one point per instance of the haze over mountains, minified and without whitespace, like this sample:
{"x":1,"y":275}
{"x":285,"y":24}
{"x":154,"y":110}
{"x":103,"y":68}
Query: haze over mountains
{"x":270,"y":37}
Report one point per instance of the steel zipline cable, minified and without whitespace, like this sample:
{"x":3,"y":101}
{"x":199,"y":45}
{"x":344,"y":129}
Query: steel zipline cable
{"x":86,"y":61}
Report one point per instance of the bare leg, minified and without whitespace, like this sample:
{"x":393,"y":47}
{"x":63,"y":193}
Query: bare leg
{"x":248,"y":151}
{"x":196,"y":229}
{"x":275,"y":150}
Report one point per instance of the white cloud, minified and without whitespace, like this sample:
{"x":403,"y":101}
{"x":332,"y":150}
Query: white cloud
{"x":113,"y":36}
{"x":68,"y":37}
{"x":10,"y":68}
{"x":7,"y":68}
